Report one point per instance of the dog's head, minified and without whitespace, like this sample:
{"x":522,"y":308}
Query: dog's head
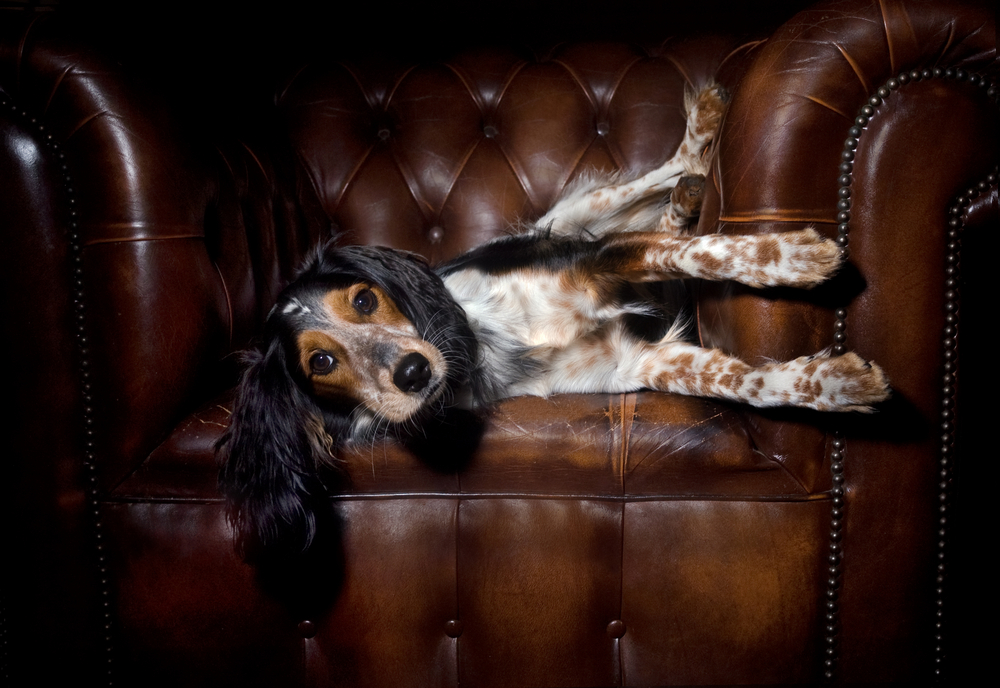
{"x":366,"y":340}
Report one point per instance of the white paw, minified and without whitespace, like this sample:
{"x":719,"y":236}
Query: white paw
{"x":838,"y":383}
{"x":705,"y":110}
{"x":806,"y":258}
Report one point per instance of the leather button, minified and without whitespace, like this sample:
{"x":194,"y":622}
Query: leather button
{"x":453,"y":628}
{"x":490,"y":132}
{"x":603,"y":128}
{"x":616,"y":629}
{"x":435,"y":234}
{"x":307,"y":629}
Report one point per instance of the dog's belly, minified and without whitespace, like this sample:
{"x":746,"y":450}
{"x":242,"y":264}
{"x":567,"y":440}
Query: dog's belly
{"x":537,"y":309}
{"x":528,"y":322}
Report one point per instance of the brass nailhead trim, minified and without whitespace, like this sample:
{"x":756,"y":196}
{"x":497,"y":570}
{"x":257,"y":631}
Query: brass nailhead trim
{"x":837,"y":455}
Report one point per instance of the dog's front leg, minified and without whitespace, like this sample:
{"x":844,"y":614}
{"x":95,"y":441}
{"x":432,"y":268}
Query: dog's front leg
{"x":794,"y":259}
{"x":821,"y":382}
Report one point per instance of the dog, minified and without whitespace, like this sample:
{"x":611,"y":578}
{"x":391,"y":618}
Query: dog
{"x":370,"y":341}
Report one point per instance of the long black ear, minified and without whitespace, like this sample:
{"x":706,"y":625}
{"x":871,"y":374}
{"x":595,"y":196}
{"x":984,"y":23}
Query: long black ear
{"x":271,"y":460}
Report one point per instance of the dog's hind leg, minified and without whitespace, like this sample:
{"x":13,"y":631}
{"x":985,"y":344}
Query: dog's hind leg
{"x":611,"y":360}
{"x":638,"y":204}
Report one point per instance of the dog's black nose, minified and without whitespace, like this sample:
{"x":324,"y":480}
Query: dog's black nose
{"x":413,"y":373}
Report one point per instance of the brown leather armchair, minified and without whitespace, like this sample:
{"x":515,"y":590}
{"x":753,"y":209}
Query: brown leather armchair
{"x":630,"y":539}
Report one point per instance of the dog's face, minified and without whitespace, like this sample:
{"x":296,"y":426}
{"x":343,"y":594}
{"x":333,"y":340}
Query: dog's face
{"x":354,"y":346}
{"x":365,"y":341}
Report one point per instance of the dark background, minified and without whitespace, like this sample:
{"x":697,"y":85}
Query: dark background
{"x":222,"y":54}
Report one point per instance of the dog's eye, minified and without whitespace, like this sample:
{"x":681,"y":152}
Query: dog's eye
{"x":365,"y":301}
{"x":321,"y":363}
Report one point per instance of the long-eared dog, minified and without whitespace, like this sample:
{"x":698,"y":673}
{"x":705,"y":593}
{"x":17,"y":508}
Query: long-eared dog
{"x":371,"y":341}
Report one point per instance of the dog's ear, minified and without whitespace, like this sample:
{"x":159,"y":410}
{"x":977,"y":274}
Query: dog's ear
{"x":271,"y":457}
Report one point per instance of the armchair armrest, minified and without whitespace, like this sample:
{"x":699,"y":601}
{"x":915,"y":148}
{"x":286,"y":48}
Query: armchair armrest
{"x":152,"y":250}
{"x":867,"y":120}
{"x":133,"y":257}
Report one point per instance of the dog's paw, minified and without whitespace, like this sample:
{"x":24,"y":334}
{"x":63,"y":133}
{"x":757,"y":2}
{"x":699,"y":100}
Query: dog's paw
{"x":852,"y":383}
{"x":685,"y":199}
{"x":786,"y":259}
{"x":705,"y":110}
{"x":802,"y":258}
{"x":835,"y":383}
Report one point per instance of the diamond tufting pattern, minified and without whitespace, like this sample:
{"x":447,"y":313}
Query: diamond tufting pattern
{"x":439,"y":158}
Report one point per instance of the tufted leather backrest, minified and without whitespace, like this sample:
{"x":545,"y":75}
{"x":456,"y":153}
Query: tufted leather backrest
{"x":439,"y":158}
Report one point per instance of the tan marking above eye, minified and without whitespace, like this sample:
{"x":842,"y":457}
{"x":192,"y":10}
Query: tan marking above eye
{"x":363,"y":303}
